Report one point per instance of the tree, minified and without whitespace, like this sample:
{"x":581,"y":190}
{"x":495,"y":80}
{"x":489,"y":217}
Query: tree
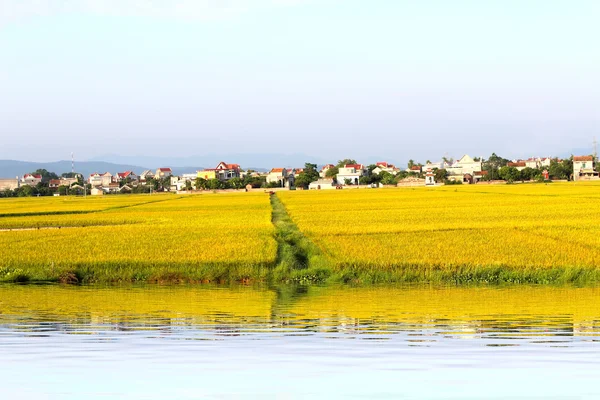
{"x":345,"y":161}
{"x":308,"y":175}
{"x":509,"y":174}
{"x":387,"y":178}
{"x":411,"y":163}
{"x":440,"y":175}
{"x":347,"y":181}
{"x":214,"y":184}
{"x":46,"y":175}
{"x":236,"y":183}
{"x":332,"y":172}
{"x":528,"y":174}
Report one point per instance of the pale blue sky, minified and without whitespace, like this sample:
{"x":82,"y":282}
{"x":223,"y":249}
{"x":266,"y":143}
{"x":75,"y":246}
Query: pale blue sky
{"x":332,"y":78}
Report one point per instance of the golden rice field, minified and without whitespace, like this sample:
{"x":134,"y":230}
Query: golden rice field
{"x":529,"y":233}
{"x":455,"y":231}
{"x":137,"y":238}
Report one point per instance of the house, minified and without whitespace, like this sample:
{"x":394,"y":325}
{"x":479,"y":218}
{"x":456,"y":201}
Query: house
{"x":479,"y":175}
{"x":324,"y":169}
{"x":416,"y":169}
{"x":97,"y":179}
{"x":181,"y":182}
{"x":163,"y":172}
{"x":96,"y":191}
{"x":283,"y":176}
{"x":222,"y":172}
{"x":54,"y":183}
{"x":127,"y":175}
{"x":465,"y":165}
{"x":435,"y":165}
{"x":584,"y":168}
{"x":519,"y":165}
{"x":383,"y":166}
{"x":112,"y":187}
{"x":32,"y":179}
{"x":145,"y":176}
{"x":67,"y":181}
{"x":9,"y":184}
{"x":323,"y":184}
{"x":351,"y":173}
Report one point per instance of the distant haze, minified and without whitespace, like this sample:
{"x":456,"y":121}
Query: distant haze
{"x":389,"y":80}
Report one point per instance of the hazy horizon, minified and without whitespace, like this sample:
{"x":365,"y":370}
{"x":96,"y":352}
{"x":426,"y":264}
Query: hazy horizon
{"x":328,"y":78}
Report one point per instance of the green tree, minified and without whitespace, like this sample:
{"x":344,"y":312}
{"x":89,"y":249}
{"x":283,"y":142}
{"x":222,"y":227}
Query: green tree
{"x":411,"y":163}
{"x":440,"y":174}
{"x":509,"y":174}
{"x":387,"y":179}
{"x":528,"y":174}
{"x":46,"y":175}
{"x":236,"y":183}
{"x":345,"y":161}
{"x":308,"y":175}
{"x":332,"y":172}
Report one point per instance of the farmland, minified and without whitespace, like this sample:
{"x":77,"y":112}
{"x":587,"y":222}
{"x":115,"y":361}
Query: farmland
{"x":475,"y":233}
{"x":160,"y":238}
{"x":452,"y":234}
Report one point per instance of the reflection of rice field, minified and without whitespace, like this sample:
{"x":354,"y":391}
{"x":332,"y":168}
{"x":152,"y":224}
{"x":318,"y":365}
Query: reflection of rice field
{"x":514,"y":312}
{"x":124,"y":238}
{"x":483,"y":233}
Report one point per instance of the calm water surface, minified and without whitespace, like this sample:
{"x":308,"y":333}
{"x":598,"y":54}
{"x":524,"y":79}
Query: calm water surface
{"x":156,"y":342}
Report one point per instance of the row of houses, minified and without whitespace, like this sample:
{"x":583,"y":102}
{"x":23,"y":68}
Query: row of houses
{"x":33,"y":180}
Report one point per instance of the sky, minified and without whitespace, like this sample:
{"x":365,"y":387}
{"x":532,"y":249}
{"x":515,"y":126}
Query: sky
{"x":394,"y":79}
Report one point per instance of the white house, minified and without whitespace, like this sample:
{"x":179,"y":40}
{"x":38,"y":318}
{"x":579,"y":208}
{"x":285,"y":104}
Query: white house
{"x":351,"y":173}
{"x":32,"y":179}
{"x":465,"y":165}
{"x":97,"y":179}
{"x":281,"y":176}
{"x":584,"y":168}
{"x":323,"y":184}
{"x":383,"y":166}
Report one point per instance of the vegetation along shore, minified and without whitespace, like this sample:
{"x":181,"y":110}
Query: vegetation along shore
{"x":536,"y":233}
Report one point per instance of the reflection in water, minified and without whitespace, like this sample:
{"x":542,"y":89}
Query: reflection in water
{"x":513,"y":313}
{"x":543,"y":340}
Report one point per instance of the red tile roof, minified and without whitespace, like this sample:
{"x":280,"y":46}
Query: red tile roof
{"x":382,"y":164}
{"x":583,"y":158}
{"x":36,"y":176}
{"x":277,"y":170}
{"x":327,"y":167}
{"x":164,"y":169}
{"x":355,"y":166}
{"x":517,"y":164}
{"x":415,"y":168}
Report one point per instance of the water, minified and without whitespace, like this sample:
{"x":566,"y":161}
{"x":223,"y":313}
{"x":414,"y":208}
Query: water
{"x":185,"y":342}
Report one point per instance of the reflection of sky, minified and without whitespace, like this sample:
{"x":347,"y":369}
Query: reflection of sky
{"x":426,"y":77}
{"x":276,"y":366}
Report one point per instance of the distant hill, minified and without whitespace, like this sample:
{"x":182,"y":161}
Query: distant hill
{"x":13,"y":168}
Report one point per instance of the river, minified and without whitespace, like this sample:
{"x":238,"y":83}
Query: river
{"x":188,"y":342}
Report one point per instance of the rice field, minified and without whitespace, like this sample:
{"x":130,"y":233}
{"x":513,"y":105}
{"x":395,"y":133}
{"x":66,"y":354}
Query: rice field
{"x":137,"y":238}
{"x":465,"y":233}
{"x":455,"y":234}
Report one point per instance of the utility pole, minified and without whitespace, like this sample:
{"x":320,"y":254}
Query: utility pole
{"x":595,"y":149}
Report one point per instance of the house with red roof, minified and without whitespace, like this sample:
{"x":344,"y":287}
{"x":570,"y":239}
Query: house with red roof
{"x":351,"y":174}
{"x":284,"y":177}
{"x":32,"y":179}
{"x":584,"y":168}
{"x":129,"y":176}
{"x":384,"y":166}
{"x":223,"y":172}
{"x":163,"y":172}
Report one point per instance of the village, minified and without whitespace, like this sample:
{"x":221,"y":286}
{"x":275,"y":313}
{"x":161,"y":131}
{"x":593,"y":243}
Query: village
{"x":345,"y":174}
